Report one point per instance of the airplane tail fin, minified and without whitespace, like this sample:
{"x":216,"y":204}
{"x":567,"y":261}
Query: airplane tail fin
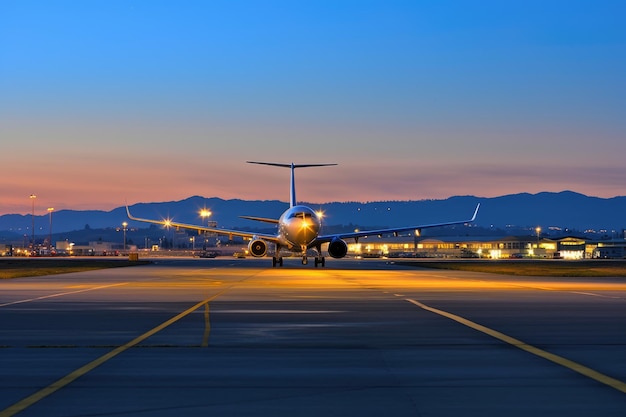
{"x":292,"y":197}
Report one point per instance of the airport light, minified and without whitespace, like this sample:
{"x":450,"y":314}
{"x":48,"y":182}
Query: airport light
{"x":205,"y":213}
{"x":538,"y":231}
{"x":50,"y":210}
{"x":124,"y":226}
{"x":32,"y":218}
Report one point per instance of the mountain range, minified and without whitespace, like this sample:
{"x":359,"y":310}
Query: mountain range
{"x":558,"y":211}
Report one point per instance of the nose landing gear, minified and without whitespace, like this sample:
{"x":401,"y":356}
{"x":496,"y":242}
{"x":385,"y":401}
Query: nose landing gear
{"x":277,"y":260}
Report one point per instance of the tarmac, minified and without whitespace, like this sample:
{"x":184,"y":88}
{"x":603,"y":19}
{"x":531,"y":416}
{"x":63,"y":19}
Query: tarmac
{"x":236,"y":337}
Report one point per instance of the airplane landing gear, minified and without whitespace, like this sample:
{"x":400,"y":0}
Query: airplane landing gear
{"x":305,"y":260}
{"x":277,"y":261}
{"x":320,"y":260}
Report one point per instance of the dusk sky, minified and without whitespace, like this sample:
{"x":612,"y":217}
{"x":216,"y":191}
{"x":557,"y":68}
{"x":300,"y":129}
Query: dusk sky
{"x":107,"y":101}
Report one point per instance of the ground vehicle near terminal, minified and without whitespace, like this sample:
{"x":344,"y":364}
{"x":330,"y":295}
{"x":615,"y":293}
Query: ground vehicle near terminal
{"x":298,"y":228}
{"x":209,"y":254}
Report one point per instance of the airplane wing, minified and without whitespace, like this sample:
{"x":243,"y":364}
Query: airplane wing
{"x":394,"y":230}
{"x":230,"y":233}
{"x":260,"y":219}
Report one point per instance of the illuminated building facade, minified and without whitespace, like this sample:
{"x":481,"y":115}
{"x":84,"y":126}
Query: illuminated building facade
{"x":473,"y":247}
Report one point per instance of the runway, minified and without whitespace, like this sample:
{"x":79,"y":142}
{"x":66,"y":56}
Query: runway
{"x":231,"y":337}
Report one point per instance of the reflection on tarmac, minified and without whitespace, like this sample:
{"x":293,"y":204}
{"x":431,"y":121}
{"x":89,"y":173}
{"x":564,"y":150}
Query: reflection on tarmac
{"x":207,"y":326}
{"x":233,"y":337}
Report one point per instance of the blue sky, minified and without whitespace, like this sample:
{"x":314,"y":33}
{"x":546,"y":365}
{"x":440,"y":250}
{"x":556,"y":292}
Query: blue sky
{"x":102,"y":101}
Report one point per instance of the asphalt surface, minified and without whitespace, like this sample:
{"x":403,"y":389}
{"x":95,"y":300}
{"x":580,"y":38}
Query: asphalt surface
{"x":230,"y":337}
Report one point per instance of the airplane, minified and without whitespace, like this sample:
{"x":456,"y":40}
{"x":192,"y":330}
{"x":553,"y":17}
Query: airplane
{"x":298,"y":228}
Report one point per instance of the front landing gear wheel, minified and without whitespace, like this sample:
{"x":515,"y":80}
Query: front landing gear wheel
{"x":305,"y":260}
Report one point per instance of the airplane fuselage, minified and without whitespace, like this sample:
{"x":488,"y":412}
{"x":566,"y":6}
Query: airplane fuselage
{"x":298,"y":227}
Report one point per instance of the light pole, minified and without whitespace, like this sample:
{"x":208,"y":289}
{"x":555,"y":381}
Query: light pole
{"x":124,"y":225}
{"x":32,"y":219}
{"x":538,"y":230}
{"x":50,"y":210}
{"x":205,"y":214}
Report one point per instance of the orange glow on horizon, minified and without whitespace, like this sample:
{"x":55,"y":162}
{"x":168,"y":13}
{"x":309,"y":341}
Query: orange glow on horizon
{"x":110,"y":188}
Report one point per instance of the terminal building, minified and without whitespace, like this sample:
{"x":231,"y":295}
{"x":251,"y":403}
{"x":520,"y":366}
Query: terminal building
{"x":566,"y":247}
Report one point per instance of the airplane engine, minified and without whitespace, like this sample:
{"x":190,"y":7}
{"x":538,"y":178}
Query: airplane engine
{"x":337,"y":248}
{"x":257,"y":247}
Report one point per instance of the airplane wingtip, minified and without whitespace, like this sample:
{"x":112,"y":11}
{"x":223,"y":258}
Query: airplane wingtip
{"x":476,"y":212}
{"x":128,"y":211}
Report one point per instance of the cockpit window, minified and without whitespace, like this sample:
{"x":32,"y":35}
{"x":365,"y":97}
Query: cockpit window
{"x":300,"y":215}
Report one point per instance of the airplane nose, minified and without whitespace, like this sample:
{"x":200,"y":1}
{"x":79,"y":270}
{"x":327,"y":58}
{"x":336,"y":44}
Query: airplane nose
{"x":303,"y":231}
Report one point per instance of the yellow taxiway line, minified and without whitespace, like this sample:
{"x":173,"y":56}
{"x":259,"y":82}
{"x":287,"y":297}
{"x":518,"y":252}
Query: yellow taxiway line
{"x":559,"y":360}
{"x":72,"y":376}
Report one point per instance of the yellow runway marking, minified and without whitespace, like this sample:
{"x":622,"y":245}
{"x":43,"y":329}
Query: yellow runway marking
{"x":61,"y":294}
{"x":559,"y":360}
{"x":72,"y":376}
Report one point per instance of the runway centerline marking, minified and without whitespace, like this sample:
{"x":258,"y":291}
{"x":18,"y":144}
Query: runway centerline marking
{"x":74,"y":375}
{"x":559,"y":360}
{"x":61,"y":294}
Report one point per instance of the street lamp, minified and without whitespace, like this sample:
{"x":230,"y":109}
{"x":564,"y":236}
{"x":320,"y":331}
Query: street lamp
{"x":50,"y":210}
{"x":538,"y":230}
{"x":32,"y":218}
{"x":124,"y":225}
{"x":205,"y":214}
